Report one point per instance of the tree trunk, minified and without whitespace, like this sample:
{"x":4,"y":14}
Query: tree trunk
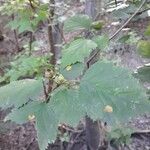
{"x":90,"y":8}
{"x":94,"y":7}
{"x":95,"y":134}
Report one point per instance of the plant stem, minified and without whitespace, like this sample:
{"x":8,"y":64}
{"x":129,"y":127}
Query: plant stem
{"x":50,"y":33}
{"x":45,"y":92}
{"x":30,"y":43}
{"x":31,"y":5}
{"x":16,"y":36}
{"x":51,"y":43}
{"x":116,"y":3}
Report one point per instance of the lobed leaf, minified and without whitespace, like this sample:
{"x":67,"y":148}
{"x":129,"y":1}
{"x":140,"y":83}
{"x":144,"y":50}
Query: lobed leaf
{"x":102,"y":42}
{"x":65,"y":103}
{"x":19,"y":92}
{"x":77,"y":22}
{"x":77,"y":51}
{"x":107,"y":85}
{"x":46,"y":125}
{"x":106,"y":92}
{"x":45,"y":118}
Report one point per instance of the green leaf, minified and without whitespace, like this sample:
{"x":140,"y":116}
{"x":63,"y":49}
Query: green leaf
{"x":46,"y":122}
{"x":130,"y":38}
{"x":20,"y":92}
{"x":124,"y":38}
{"x":22,"y":114}
{"x":120,"y":135}
{"x":107,"y":85}
{"x":77,"y":22}
{"x":77,"y":51}
{"x":13,"y":24}
{"x":119,"y":14}
{"x":46,"y":125}
{"x":103,"y":86}
{"x":101,"y":41}
{"x":147,"y":32}
{"x":144,"y":48}
{"x":143,"y":73}
{"x":26,"y":66}
{"x":41,"y":15}
{"x":25,"y":25}
{"x":65,"y":103}
{"x":72,"y":71}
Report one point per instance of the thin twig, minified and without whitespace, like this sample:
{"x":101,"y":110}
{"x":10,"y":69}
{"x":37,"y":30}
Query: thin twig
{"x":45,"y":92}
{"x":74,"y":141}
{"x":31,"y":5}
{"x":128,"y":20}
{"x":116,"y":3}
{"x":6,"y":37}
{"x":16,"y":36}
{"x":70,"y":129}
{"x":97,"y":16}
{"x":128,"y":147}
{"x":31,"y":33}
{"x":120,"y":29}
{"x":141,"y":132}
{"x":62,"y":35}
{"x":91,"y":58}
{"x":30,"y":43}
{"x":139,"y":13}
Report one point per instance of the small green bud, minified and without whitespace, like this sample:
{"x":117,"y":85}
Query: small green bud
{"x":97,"y":25}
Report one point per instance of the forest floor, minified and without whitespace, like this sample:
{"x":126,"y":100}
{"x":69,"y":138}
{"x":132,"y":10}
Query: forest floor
{"x":23,"y":137}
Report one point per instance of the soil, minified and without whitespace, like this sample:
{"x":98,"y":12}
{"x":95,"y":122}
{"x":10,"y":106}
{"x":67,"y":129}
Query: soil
{"x":23,"y":137}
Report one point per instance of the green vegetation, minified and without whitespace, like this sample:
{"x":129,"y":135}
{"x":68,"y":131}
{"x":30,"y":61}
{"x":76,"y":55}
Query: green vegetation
{"x":66,"y":92}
